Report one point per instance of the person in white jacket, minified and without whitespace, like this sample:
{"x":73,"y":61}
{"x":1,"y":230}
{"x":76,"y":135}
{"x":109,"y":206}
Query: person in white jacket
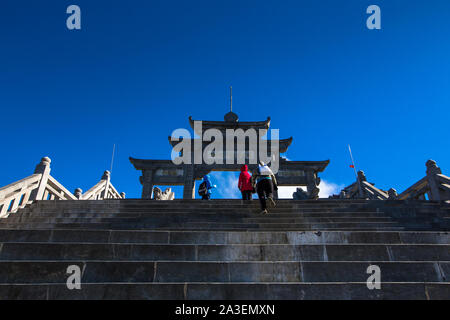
{"x":264,"y":182}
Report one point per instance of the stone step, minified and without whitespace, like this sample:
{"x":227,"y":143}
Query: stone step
{"x":112,"y":228}
{"x":177,"y":219}
{"x":226,"y":211}
{"x":164,"y":220}
{"x":138,"y":201}
{"x":219,"y":237}
{"x":231,"y":212}
{"x":247,"y":252}
{"x":217,"y":206}
{"x":135,"y":203}
{"x":214,"y":205}
{"x":228,"y":291}
{"x":217,"y":226}
{"x":223,"y":249}
{"x":229,"y":215}
{"x":40,"y":272}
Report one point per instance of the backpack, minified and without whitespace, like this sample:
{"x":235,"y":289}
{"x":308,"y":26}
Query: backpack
{"x":264,"y":171}
{"x":202,"y":190}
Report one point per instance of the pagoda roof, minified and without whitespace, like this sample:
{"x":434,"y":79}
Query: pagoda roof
{"x":283,"y":144}
{"x":318,"y":166}
{"x":223,"y":125}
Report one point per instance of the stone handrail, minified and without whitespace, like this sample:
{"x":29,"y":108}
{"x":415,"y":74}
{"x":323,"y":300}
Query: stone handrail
{"x":417,"y":190}
{"x":56,"y":191}
{"x":362,"y":189}
{"x":42,"y":186}
{"x":372,"y":192}
{"x":102,"y":190}
{"x":446,"y":187}
{"x":434,"y":186}
{"x":443,"y":179}
{"x":17,"y":194}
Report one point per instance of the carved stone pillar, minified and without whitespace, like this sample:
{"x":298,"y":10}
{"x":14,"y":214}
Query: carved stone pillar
{"x":359,"y":180}
{"x":436,"y":193}
{"x":147,"y":184}
{"x":392,"y":194}
{"x":189,"y":182}
{"x":311,"y":185}
{"x":107,"y":177}
{"x":42,"y":168}
{"x":78,"y":193}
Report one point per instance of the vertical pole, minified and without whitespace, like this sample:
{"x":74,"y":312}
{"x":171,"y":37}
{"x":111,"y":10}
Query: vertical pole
{"x":353,"y":162}
{"x":231,"y":99}
{"x":356,"y":174}
{"x":112,"y":158}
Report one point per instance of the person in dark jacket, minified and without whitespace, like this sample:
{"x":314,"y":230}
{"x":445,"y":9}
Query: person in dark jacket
{"x":245,"y":183}
{"x":264,"y":181}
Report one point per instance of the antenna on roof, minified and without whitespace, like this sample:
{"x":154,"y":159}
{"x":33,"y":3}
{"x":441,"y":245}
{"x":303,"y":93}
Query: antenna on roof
{"x":353,"y":162}
{"x":231,"y":99}
{"x":356,"y":174}
{"x":112,"y":159}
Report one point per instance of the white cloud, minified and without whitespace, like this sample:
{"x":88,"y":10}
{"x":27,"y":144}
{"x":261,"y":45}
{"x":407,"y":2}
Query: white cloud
{"x":286,"y":192}
{"x":227,"y":185}
{"x":326,"y":189}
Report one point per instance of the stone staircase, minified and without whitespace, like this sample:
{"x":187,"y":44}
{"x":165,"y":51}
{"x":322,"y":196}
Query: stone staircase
{"x":224,"y":249}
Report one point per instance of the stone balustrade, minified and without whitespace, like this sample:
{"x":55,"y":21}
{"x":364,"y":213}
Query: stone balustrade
{"x":362,"y":189}
{"x":42,"y":186}
{"x":434,"y":186}
{"x":17,"y":194}
{"x":102,"y":190}
{"x":373,"y":193}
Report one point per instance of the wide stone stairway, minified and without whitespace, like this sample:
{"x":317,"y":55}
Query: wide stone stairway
{"x":224,"y":249}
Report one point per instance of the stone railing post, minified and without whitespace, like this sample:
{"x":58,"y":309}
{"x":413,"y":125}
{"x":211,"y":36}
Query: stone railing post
{"x":42,"y":168}
{"x":433,"y":183}
{"x":78,"y":193}
{"x":189,"y":182}
{"x":106,"y":176}
{"x":311,"y":185}
{"x":392,"y":193}
{"x":360,"y":179}
{"x":147,"y":184}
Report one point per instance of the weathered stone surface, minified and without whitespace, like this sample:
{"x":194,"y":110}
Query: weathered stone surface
{"x":137,"y":249}
{"x":160,"y":195}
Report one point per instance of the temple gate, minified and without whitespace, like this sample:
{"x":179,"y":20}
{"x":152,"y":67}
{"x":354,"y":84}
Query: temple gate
{"x":165,"y":172}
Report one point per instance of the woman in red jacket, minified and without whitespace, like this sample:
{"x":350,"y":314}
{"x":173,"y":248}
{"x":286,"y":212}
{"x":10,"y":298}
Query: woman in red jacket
{"x":245,"y":183}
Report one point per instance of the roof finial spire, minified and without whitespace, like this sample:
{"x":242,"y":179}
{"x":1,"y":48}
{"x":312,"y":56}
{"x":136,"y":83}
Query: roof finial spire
{"x":230,"y":116}
{"x":231,"y":99}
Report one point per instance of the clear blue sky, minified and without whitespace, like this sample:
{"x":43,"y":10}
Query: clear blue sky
{"x":138,"y":69}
